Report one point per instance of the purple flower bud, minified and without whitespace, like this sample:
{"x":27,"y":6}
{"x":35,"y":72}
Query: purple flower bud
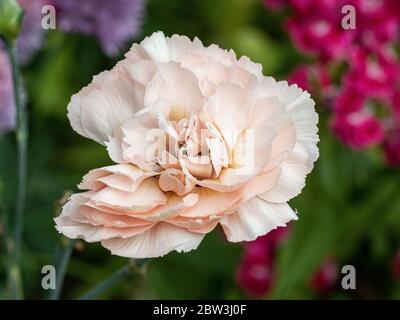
{"x":7,"y":104}
{"x":31,"y":37}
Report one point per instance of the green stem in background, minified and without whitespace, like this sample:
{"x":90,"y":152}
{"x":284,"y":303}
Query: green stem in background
{"x":4,"y":226}
{"x":113,"y":279}
{"x":22,"y":146}
{"x":61,"y":268}
{"x":4,"y":233}
{"x":109,"y":282}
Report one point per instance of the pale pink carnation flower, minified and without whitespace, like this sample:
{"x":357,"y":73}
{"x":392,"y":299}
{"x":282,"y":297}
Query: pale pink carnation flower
{"x":199,"y":138}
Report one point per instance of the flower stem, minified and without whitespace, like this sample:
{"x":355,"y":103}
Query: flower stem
{"x":22,"y":146}
{"x":114,"y":278}
{"x":61,"y":267}
{"x":110,"y":281}
{"x":8,"y":243}
{"x":4,"y":226}
{"x":14,"y":276}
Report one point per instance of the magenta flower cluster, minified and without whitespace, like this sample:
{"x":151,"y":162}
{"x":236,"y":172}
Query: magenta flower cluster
{"x":365,"y":101}
{"x":256,"y":271}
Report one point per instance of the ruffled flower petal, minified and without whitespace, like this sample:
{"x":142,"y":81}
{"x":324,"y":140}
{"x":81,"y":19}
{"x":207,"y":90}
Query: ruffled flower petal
{"x":256,"y":218}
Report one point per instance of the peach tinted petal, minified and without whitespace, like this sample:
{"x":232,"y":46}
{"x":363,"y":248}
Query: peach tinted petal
{"x":136,"y":53}
{"x":175,"y":204}
{"x":174,"y":180}
{"x":211,"y":203}
{"x":282,"y":145}
{"x":143,"y":147}
{"x":114,"y":147}
{"x":156,"y":47}
{"x":141,"y":71}
{"x":155,"y":242}
{"x":75,"y":105}
{"x":76,"y":230}
{"x":250,"y":156}
{"x":103,"y":106}
{"x":146,"y":197}
{"x":262,"y":183}
{"x":227,"y":110}
{"x":124,"y":177}
{"x":209,"y":73}
{"x":199,"y":225}
{"x":97,"y":217}
{"x":74,"y":224}
{"x":255,"y":218}
{"x":300,"y":108}
{"x":178,"y":47}
{"x":179,"y":87}
{"x":199,"y":167}
{"x":292,"y":178}
{"x":248,"y":65}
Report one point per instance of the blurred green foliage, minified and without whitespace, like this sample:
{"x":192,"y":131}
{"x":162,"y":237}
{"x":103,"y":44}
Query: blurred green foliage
{"x":350,"y":208}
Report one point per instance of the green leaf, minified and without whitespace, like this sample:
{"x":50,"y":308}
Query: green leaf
{"x":10,"y":19}
{"x":210,"y":278}
{"x":312,"y":241}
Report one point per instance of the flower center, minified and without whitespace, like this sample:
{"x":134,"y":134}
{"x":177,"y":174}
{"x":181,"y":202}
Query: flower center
{"x":195,"y":147}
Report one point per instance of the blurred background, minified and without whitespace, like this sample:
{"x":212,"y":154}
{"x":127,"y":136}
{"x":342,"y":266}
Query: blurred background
{"x":349,"y":211}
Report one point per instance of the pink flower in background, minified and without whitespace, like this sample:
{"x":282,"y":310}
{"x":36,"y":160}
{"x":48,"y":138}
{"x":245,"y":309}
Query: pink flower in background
{"x":392,"y":146}
{"x":394,"y":7}
{"x":311,"y":78}
{"x":304,"y":6}
{"x":359,"y":130}
{"x":377,"y":23}
{"x":367,"y":95}
{"x":315,"y":28}
{"x":255,"y":274}
{"x":199,"y":138}
{"x":372,"y":76}
{"x":275,"y":4}
{"x":396,"y":266}
{"x":371,"y":79}
{"x":301,"y":77}
{"x":395,"y":104}
{"x":7,"y":104}
{"x":325,"y":277}
{"x":348,"y":101}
